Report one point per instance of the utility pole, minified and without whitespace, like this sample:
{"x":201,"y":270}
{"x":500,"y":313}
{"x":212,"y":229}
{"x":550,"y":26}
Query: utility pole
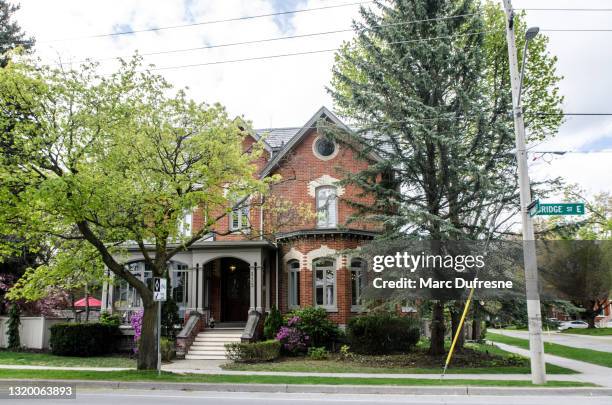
{"x":536,"y":346}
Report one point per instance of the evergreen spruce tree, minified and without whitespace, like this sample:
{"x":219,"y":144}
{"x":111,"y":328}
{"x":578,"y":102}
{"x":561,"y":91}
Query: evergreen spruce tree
{"x":415,"y":83}
{"x":11,"y":35}
{"x":14,"y":343}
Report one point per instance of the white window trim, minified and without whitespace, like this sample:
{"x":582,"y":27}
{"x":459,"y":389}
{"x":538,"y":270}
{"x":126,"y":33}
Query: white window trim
{"x":328,"y":308}
{"x":241,"y":211}
{"x":321,"y":157}
{"x":289,"y":285}
{"x":364,"y":271}
{"x":328,"y":224}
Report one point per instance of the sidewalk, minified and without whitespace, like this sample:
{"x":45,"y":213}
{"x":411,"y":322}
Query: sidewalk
{"x":589,"y":372}
{"x":601,"y":343}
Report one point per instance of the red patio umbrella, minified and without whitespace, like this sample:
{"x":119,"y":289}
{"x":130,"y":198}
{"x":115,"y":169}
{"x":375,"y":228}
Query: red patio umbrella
{"x":93,"y":302}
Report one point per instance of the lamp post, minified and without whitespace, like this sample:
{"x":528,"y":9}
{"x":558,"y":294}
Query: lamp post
{"x":536,"y":345}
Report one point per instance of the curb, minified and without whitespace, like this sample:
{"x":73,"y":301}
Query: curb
{"x":325,"y":389}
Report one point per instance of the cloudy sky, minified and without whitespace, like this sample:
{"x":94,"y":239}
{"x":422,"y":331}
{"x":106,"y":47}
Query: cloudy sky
{"x":286,"y":91}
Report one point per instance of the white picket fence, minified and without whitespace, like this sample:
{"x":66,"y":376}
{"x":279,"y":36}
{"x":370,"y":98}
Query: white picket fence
{"x":34,"y":331}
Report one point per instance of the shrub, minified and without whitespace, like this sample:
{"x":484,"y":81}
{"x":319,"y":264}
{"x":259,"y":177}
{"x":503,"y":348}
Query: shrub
{"x":318,"y":353}
{"x":106,"y":318}
{"x":314,"y":323}
{"x":83,"y":339}
{"x":136,"y":322}
{"x":253,"y":352}
{"x":292,"y":339}
{"x":382,"y":333}
{"x":166,"y":347}
{"x":169,"y":317}
{"x":273,"y":323}
{"x":14,"y":342}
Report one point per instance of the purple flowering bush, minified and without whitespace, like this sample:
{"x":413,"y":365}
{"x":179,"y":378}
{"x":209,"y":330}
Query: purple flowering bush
{"x":136,"y":321}
{"x":293,"y":340}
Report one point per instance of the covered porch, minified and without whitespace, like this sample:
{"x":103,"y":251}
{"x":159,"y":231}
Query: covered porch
{"x":224,"y":281}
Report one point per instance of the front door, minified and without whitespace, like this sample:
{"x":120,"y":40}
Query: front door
{"x":235,"y":290}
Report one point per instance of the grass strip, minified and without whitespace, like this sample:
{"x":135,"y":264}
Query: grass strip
{"x":574,"y":353}
{"x":46,"y":359}
{"x":589,"y":332}
{"x":263,"y":379}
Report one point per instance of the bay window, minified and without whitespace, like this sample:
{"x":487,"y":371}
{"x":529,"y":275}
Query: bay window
{"x":293,"y":272}
{"x":325,"y":283}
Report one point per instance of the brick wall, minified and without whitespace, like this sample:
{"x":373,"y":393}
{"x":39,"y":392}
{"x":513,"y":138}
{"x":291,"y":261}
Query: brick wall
{"x":305,"y":245}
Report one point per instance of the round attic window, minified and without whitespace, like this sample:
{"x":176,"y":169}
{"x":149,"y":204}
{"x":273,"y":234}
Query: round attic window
{"x":324,"y":148}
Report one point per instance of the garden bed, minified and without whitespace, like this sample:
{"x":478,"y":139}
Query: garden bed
{"x":474,"y":359}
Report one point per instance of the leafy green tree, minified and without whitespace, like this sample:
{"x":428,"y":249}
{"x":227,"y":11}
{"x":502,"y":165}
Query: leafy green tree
{"x":14,"y":343}
{"x":117,"y":160}
{"x":427,"y":85}
{"x":590,"y":290}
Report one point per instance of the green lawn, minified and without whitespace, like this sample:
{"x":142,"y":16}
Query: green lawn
{"x":263,"y":379}
{"x":590,"y":332}
{"x":375,"y":366}
{"x":586,"y":355}
{"x":45,"y":359}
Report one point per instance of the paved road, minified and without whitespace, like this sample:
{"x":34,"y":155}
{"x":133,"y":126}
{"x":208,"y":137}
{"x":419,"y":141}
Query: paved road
{"x":236,"y":398}
{"x":601,"y":343}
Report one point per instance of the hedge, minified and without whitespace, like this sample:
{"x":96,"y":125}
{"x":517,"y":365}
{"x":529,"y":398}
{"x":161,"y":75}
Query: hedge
{"x":382,"y":333}
{"x":83,"y":339}
{"x":253,"y":352}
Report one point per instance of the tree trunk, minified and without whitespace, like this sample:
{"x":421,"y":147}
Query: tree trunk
{"x":86,"y":304}
{"x":456,"y":312}
{"x":476,"y":322}
{"x":436,"y":345}
{"x":147,"y":345}
{"x":74,"y":313}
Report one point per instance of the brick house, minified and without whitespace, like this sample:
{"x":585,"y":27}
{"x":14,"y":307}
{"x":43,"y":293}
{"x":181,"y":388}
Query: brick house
{"x":255,"y":260}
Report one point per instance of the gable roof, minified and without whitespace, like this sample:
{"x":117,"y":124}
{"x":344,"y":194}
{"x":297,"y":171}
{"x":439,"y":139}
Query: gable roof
{"x":285,"y":133}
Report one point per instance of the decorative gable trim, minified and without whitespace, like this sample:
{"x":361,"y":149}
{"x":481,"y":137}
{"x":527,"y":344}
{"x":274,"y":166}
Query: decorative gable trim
{"x":325,"y":180}
{"x":298,"y":137}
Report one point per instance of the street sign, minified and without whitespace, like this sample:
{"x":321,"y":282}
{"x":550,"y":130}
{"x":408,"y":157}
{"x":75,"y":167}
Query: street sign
{"x":159,"y":289}
{"x":537,"y":208}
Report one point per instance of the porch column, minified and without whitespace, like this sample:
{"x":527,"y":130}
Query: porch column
{"x":259,"y":283}
{"x":252,"y":285}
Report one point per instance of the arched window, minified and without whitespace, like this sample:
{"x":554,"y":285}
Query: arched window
{"x":293,"y":271}
{"x":325,"y":283}
{"x":358,"y":282}
{"x":327,"y":207}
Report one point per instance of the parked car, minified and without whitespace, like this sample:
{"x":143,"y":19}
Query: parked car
{"x":573,"y":325}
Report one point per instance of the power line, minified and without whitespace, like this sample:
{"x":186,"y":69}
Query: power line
{"x":220,"y":62}
{"x":564,"y":9}
{"x":250,"y":17}
{"x":229,"y":44}
{"x":576,"y":30}
{"x":569,"y":114}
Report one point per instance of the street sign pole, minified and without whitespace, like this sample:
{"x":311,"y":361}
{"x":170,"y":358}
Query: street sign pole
{"x":159,"y":305}
{"x":536,"y":346}
{"x":159,"y":295}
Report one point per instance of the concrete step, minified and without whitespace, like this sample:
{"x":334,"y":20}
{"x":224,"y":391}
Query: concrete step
{"x":208,"y":344}
{"x":214,"y":351}
{"x":220,"y":335}
{"x":219,"y":341}
{"x":204,"y":357}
